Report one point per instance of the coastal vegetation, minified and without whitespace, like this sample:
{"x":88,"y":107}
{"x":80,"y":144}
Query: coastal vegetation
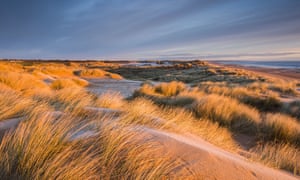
{"x":64,"y":131}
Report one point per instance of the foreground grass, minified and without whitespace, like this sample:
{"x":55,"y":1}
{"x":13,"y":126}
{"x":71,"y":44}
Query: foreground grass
{"x":42,"y":147}
{"x":283,"y":156}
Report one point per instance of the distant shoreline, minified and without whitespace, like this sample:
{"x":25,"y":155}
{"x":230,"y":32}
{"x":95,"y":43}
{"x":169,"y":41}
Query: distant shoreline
{"x":264,"y":64}
{"x":275,"y":72}
{"x":287,"y":72}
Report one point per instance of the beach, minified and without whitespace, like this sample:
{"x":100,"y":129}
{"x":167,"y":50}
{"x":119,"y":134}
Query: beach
{"x":283,"y":72}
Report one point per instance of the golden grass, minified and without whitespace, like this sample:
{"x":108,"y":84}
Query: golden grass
{"x":92,"y":73}
{"x":228,"y":112}
{"x":40,"y":148}
{"x":282,"y":127}
{"x":97,"y":73}
{"x":71,"y":99}
{"x":21,"y":81}
{"x":44,"y":147}
{"x":163,"y":89}
{"x":80,"y":82}
{"x":12,"y":104}
{"x":131,"y":154}
{"x":143,"y":111}
{"x":223,"y":103}
{"x":68,"y":83}
{"x":254,"y":94}
{"x":9,"y":66}
{"x":283,"y":156}
{"x":170,"y":89}
{"x":284,"y":87}
{"x":113,"y":100}
{"x":63,"y":83}
{"x":56,"y":70}
{"x":145,"y":89}
{"x":114,"y":76}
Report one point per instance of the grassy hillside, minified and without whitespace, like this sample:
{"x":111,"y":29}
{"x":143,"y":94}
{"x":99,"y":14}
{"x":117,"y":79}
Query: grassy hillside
{"x":67,"y":132}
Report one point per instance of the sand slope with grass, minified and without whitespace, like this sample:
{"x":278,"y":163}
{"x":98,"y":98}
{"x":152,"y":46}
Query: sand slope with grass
{"x":82,"y":121}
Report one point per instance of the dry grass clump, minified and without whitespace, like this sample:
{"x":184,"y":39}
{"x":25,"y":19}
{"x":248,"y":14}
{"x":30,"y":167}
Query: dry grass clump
{"x":213,"y":133}
{"x":68,"y":83}
{"x":283,"y":156}
{"x":284,"y":87}
{"x":91,"y":73}
{"x":96,"y":73}
{"x":228,"y":112}
{"x":130,"y":153}
{"x":141,"y":107}
{"x":44,"y":147}
{"x":71,"y":99}
{"x":163,"y":89}
{"x":254,"y":94}
{"x":80,"y":82}
{"x":145,"y":89}
{"x":145,"y":112}
{"x":12,"y":104}
{"x":10,"y":66}
{"x":63,"y":83}
{"x":56,"y":70}
{"x":114,"y":76}
{"x":170,"y":89}
{"x":282,"y":127}
{"x":113,"y":100}
{"x":39,"y":149}
{"x":21,"y":81}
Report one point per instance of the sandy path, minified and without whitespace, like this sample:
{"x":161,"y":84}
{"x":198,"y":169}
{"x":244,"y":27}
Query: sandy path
{"x":9,"y":123}
{"x":125,"y":87}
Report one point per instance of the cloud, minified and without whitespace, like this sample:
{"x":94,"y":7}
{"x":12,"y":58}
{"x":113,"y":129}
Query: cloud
{"x":237,"y":56}
{"x":123,"y":28}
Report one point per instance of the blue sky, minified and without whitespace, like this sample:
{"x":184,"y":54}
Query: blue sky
{"x":150,"y":29}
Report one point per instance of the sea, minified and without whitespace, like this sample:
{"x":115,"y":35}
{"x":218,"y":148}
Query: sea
{"x":266,"y":64}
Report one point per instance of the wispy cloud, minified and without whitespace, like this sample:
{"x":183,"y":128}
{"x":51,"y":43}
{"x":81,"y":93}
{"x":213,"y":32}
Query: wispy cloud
{"x":142,"y":28}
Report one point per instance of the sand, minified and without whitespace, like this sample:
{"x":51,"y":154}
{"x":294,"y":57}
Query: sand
{"x":211,"y":162}
{"x":124,"y":87}
{"x":282,"y":73}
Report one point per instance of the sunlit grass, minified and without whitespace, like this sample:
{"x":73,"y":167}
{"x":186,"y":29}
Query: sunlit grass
{"x":57,"y":108}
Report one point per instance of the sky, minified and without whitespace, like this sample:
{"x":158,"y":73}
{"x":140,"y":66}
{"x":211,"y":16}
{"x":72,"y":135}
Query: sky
{"x":150,"y":29}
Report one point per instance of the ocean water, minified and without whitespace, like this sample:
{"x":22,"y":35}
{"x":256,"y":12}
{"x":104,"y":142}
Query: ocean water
{"x":267,"y":64}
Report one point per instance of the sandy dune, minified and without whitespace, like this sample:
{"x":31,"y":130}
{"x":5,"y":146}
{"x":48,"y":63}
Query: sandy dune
{"x":211,"y":162}
{"x":200,"y":157}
